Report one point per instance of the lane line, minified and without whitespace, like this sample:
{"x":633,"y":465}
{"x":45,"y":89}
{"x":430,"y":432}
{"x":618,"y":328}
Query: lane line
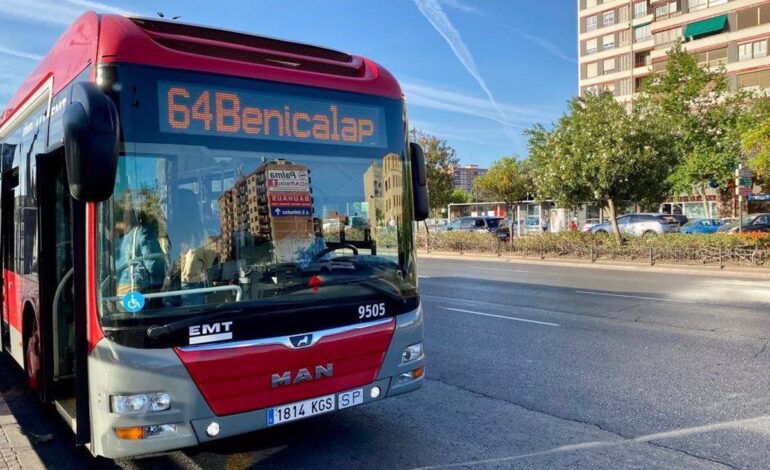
{"x":624,"y":296}
{"x":749,"y":424}
{"x":501,"y":316}
{"x":498,"y":269}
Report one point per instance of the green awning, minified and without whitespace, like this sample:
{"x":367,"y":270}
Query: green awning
{"x":706,"y":27}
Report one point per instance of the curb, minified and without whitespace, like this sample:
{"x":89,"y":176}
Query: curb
{"x":711,"y":271}
{"x":16,"y":452}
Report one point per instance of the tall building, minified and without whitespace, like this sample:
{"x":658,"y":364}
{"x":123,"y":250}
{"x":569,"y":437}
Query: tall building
{"x":274,"y":204}
{"x":463,"y":176}
{"x":622,"y":41}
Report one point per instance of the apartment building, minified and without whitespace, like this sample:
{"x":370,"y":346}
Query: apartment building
{"x":463,"y":176}
{"x":620,"y":42}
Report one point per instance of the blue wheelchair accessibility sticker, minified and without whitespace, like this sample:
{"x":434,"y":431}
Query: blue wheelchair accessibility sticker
{"x":133,"y":302}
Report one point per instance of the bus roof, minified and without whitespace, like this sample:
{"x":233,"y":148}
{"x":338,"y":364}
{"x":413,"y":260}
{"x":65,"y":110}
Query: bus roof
{"x":104,"y":39}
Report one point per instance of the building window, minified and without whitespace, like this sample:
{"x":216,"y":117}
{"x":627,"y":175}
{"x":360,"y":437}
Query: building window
{"x":666,"y":10}
{"x":608,"y":42}
{"x":591,"y":23}
{"x":664,"y":38}
{"x":592,"y":70}
{"x":712,"y":58}
{"x":759,"y":80}
{"x":624,"y":87}
{"x":625,"y":62}
{"x":625,"y":38}
{"x":695,"y":5}
{"x":642,"y":59}
{"x":659,"y":66}
{"x":752,"y":50}
{"x":608,"y":18}
{"x":753,"y":17}
{"x":609,"y":66}
{"x":640,"y":9}
{"x":642,"y":33}
{"x":760,"y":49}
{"x":591,"y":46}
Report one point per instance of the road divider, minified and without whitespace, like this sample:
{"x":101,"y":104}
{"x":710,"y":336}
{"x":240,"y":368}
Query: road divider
{"x":482,"y":314}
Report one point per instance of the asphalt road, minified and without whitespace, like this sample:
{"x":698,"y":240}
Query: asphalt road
{"x":531,"y":366}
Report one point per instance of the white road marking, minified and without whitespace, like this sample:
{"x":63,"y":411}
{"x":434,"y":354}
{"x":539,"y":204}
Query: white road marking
{"x":499,"y":269}
{"x":760,"y":424}
{"x":624,"y":296}
{"x":501,"y":316}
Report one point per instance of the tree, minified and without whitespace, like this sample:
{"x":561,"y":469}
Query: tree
{"x":694,"y":105}
{"x":755,"y":136}
{"x":598,"y":153}
{"x":459,"y":196}
{"x":440,"y":162}
{"x":508,"y":180}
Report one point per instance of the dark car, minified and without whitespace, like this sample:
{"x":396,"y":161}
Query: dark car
{"x":476,"y":224}
{"x":752,"y":223}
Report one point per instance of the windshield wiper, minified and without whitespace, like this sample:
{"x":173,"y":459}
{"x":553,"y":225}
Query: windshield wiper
{"x":393,"y":294}
{"x":158,"y":331}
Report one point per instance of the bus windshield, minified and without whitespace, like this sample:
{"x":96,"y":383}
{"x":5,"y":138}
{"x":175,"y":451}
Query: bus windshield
{"x":194,"y":226}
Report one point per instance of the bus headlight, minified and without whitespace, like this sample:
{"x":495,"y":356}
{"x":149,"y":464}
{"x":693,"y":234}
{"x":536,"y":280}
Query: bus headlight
{"x":411,"y":353}
{"x":140,"y":403}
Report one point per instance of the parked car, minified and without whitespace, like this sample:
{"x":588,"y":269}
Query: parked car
{"x":752,"y":223}
{"x":679,"y":218}
{"x":640,"y":225}
{"x":701,"y":226}
{"x":476,"y":224}
{"x":590,"y":223}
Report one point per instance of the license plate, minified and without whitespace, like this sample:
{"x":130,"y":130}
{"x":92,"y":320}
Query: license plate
{"x":350,"y":398}
{"x":300,"y":410}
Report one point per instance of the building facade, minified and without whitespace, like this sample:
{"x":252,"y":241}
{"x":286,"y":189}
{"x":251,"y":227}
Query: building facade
{"x":463,"y":176}
{"x":620,"y":42}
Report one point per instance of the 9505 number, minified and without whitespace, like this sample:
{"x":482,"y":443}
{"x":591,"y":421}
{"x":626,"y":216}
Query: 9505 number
{"x":371,"y":311}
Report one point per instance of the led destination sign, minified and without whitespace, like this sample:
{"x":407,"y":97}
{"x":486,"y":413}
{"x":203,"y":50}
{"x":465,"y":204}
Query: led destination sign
{"x":207,"y":110}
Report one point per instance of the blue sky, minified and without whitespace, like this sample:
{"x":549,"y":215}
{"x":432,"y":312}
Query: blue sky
{"x":475,"y":72}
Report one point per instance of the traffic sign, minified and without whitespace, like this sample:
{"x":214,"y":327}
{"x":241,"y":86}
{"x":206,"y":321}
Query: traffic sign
{"x":746,"y":182}
{"x":745,"y":173}
{"x":744,"y":191}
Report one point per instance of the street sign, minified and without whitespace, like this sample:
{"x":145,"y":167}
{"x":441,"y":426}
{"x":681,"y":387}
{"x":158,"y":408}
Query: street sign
{"x":760,"y":197}
{"x":744,"y":191}
{"x":745,"y":173}
{"x":747,"y":182}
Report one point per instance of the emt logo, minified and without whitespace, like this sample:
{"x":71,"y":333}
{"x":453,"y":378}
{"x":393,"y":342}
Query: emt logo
{"x":210,"y":332}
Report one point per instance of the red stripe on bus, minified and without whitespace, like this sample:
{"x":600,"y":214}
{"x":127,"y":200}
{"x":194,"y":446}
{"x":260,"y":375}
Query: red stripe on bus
{"x":95,"y":333}
{"x":240,"y":379}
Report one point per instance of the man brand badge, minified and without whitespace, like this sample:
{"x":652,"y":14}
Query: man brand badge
{"x":302,"y":375}
{"x":210,"y":332}
{"x":301,"y":341}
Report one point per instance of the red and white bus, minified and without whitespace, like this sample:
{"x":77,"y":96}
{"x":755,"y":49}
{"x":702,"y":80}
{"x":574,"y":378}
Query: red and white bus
{"x":206,"y":233}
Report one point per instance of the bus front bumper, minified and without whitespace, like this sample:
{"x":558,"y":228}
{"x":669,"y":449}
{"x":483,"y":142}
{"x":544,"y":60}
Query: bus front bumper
{"x":115,"y":369}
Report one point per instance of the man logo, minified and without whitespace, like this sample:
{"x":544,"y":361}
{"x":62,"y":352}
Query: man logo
{"x":301,"y":341}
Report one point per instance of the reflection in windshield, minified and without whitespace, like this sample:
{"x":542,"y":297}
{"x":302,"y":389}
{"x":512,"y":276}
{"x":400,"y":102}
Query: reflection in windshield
{"x":190,"y":226}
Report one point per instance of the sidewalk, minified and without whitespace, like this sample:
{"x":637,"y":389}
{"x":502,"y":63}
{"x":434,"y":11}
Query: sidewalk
{"x":745,"y":272}
{"x":16,"y":451}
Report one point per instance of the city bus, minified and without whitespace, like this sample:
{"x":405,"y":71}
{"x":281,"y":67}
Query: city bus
{"x":205,"y":233}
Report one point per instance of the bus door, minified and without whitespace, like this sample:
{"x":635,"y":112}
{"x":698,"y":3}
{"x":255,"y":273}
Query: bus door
{"x":8,"y":184}
{"x":56,"y":284}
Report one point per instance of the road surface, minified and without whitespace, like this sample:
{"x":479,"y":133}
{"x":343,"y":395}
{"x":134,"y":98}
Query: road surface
{"x":532,"y":366}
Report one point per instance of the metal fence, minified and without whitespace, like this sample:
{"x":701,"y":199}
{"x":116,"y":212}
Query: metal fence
{"x":648,"y":255}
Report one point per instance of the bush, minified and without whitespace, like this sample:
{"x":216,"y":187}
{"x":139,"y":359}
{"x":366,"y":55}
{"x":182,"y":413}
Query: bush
{"x":578,"y":243}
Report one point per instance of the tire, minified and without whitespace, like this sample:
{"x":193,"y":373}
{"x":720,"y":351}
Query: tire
{"x":603,"y":232}
{"x":32,"y":353}
{"x":649,"y":234}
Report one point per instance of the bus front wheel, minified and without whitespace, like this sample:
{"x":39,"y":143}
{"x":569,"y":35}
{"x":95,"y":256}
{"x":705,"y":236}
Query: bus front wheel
{"x":32,"y":352}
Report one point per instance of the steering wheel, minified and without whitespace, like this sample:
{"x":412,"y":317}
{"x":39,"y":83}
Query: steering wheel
{"x":328,"y":250}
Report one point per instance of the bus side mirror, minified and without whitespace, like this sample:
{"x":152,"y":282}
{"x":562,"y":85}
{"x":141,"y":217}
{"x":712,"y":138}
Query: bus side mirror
{"x":419,"y":182}
{"x":91,"y":137}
